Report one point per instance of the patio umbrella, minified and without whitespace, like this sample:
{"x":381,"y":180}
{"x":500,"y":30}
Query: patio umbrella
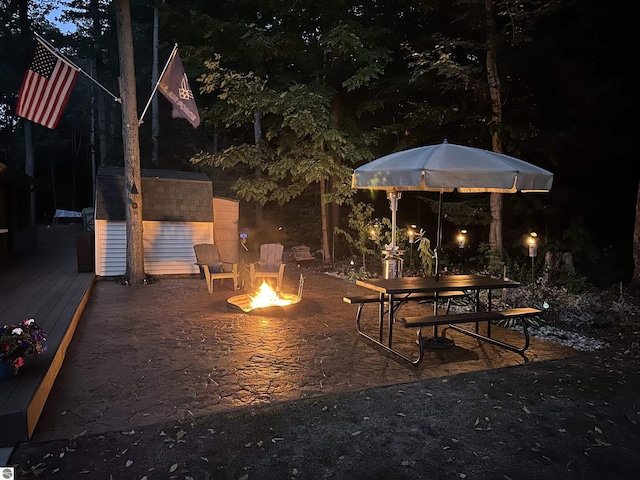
{"x":445,"y":168}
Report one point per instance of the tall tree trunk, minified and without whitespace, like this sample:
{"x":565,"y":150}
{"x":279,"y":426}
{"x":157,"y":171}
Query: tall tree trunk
{"x":92,"y":140}
{"x":334,"y":222}
{"x":29,"y":154}
{"x":155,"y":125}
{"x":495,"y":230}
{"x":29,"y":167}
{"x":94,"y":11}
{"x":324,"y":213}
{"x":257,"y":135}
{"x":132,"y":184}
{"x":636,"y":243}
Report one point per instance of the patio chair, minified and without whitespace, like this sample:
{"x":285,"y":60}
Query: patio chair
{"x":208,"y":259}
{"x":269,"y":266}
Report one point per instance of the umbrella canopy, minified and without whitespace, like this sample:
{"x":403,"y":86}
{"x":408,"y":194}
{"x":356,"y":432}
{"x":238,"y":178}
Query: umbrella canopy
{"x":445,"y":168}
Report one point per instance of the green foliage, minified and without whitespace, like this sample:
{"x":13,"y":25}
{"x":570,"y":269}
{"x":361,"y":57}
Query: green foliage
{"x":350,"y":46}
{"x":360,"y":274}
{"x":365,"y":230}
{"x":359,"y":236}
{"x":300,"y":146}
{"x":425,"y":252}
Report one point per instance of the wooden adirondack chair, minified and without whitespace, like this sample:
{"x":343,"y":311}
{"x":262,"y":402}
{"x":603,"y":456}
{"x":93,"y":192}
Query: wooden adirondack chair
{"x":269,"y":266}
{"x":208,"y":259}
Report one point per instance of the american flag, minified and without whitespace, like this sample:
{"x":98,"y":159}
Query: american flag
{"x":46,"y":88}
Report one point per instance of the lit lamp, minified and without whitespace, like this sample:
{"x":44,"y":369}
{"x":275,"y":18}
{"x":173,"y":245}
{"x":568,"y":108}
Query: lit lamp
{"x":533,"y":247}
{"x":374,"y":231}
{"x":533,"y":253}
{"x":462,"y":237}
{"x":412,"y":238}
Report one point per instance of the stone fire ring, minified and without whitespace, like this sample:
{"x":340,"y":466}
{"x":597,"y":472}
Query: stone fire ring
{"x":243,"y":303}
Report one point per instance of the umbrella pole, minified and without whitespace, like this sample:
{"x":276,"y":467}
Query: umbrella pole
{"x":438,"y":237}
{"x":393,"y":204}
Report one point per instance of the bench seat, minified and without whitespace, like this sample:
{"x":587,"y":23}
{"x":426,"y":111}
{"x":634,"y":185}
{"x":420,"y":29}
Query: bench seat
{"x":403,"y":297}
{"x":455,"y":320}
{"x":362,"y":300}
{"x":434,"y":320}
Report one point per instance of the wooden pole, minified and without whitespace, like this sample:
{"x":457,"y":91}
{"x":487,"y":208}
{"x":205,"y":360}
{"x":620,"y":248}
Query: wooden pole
{"x":133,"y":186}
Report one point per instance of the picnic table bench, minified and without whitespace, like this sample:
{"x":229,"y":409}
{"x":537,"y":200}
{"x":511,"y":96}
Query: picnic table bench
{"x":362,"y":300}
{"x":455,"y":320}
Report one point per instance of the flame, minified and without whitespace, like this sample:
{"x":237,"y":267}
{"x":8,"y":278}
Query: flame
{"x":267,"y":297}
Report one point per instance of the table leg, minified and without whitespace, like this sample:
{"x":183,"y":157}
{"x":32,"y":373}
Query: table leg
{"x":488,"y":308}
{"x":380,"y":317}
{"x":437,"y":342}
{"x":391,"y":315}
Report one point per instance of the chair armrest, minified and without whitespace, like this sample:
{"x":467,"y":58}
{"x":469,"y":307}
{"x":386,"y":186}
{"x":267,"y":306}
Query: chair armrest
{"x":234,"y":267}
{"x":253,"y":268}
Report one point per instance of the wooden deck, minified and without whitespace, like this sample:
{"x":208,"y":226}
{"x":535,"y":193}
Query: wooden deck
{"x":44,"y":285}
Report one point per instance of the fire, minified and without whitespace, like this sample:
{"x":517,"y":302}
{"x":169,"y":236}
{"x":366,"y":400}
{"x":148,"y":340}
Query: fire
{"x":267,"y":297}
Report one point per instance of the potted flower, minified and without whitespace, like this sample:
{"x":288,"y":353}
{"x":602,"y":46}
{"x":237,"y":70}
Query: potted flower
{"x":17,"y":341}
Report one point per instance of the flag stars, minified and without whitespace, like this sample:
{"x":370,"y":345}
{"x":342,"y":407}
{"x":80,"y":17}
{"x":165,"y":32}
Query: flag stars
{"x":43,"y":62}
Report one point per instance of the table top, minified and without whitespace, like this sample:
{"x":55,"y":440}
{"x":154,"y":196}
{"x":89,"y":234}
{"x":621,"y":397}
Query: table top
{"x":430,"y":284}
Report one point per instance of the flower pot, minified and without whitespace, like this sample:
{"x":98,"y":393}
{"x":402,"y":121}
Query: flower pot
{"x":7,"y":371}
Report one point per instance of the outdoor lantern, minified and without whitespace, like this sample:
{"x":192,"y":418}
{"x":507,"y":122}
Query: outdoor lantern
{"x":533,"y":247}
{"x":411,"y":234}
{"x":462,"y":237}
{"x":374,"y":231}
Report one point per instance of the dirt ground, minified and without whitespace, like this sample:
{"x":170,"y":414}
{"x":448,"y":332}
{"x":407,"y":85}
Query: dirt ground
{"x":570,"y":419}
{"x":304,"y":397}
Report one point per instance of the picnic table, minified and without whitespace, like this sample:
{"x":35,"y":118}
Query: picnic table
{"x":393,"y":292}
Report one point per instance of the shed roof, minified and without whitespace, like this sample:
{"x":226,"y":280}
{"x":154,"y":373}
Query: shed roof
{"x":167,"y":195}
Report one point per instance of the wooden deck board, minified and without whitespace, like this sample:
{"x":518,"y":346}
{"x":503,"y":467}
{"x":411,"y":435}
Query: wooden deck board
{"x":45,"y":285}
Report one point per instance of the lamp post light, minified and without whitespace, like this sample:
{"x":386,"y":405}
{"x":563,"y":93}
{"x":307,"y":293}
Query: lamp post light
{"x":462,"y":243}
{"x":374,"y":231}
{"x":462,"y":239}
{"x":411,"y":235}
{"x":533,"y":253}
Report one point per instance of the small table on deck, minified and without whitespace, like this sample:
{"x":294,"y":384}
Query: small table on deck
{"x":388,"y":288}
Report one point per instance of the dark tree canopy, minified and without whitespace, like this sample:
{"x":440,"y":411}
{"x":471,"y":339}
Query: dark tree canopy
{"x":386,"y":76}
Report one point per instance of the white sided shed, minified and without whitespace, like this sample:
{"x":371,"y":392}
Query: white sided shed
{"x":177,"y":213}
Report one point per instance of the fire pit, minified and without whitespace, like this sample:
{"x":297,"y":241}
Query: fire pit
{"x":266,"y":301}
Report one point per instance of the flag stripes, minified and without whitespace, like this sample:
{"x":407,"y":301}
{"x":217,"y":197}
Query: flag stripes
{"x":46,"y":88}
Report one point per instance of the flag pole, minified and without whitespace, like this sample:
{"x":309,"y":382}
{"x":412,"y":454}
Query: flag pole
{"x":155,"y":88}
{"x":53,"y":50}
